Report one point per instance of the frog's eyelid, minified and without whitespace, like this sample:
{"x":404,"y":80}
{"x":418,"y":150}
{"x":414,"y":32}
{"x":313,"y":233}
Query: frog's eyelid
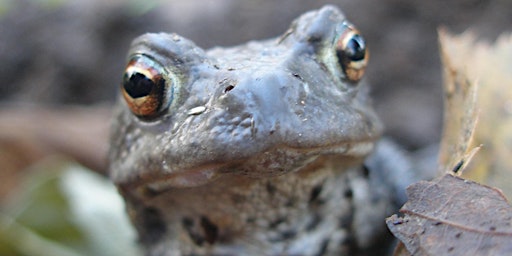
{"x":176,"y":53}
{"x":285,"y":35}
{"x":165,"y":68}
{"x":315,"y":29}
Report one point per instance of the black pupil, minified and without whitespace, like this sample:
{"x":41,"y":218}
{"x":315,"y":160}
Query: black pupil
{"x":356,"y":48}
{"x":138,"y":85}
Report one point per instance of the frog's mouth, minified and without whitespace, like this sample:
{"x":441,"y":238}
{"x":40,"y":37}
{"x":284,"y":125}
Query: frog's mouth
{"x":275,"y":162}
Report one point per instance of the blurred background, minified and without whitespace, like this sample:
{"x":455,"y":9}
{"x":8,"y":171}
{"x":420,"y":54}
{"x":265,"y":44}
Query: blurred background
{"x":61,"y":62}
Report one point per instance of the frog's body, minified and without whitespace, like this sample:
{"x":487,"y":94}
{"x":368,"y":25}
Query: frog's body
{"x":250,"y":150}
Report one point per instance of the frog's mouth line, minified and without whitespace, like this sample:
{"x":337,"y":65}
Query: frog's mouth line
{"x":155,"y":184}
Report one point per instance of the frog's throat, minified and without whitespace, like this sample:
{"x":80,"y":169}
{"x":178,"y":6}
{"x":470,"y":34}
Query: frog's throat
{"x":203,"y":174}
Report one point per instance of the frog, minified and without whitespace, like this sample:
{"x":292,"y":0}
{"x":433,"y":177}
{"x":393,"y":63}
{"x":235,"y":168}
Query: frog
{"x":271,"y":147}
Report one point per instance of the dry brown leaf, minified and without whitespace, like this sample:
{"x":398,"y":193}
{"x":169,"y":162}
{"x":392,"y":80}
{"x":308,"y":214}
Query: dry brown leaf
{"x":451,"y":215}
{"x":460,"y":113}
{"x":454,"y":216}
{"x":401,"y":250}
{"x":467,"y":60}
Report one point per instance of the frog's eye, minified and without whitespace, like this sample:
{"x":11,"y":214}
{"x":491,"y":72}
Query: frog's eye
{"x":352,"y":54}
{"x":145,"y":87}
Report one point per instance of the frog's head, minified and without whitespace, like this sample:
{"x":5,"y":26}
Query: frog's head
{"x":188,"y":116}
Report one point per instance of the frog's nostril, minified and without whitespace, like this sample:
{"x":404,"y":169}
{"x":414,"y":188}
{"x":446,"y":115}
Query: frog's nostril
{"x":228,"y":84}
{"x":229,"y":88}
{"x":297,"y":76}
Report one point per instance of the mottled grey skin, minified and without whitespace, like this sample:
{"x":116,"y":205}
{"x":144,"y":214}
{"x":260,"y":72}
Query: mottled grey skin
{"x":258,"y":152}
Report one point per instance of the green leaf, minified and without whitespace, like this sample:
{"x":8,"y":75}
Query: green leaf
{"x":63,"y":209}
